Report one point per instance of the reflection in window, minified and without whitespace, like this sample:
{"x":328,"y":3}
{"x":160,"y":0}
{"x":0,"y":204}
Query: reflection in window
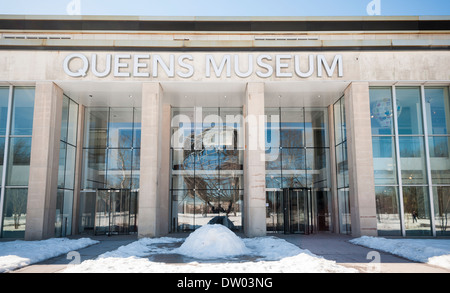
{"x":111,"y":152}
{"x":340,"y":136}
{"x":388,"y":216}
{"x":18,"y":147}
{"x":66,"y":170}
{"x":412,"y":143}
{"x":207,"y":167}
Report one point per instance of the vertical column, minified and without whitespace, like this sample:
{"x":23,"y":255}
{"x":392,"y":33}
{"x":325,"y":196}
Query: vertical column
{"x":333,"y":173}
{"x":164,"y":171}
{"x":360,"y":160}
{"x":254,"y":163}
{"x":149,"y":213}
{"x":78,"y":170}
{"x":43,"y":180}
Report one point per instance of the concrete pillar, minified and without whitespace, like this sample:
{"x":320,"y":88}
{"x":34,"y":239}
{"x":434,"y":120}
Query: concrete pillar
{"x":149,"y":213}
{"x":43,"y":180}
{"x":360,"y":160}
{"x":254,"y":163}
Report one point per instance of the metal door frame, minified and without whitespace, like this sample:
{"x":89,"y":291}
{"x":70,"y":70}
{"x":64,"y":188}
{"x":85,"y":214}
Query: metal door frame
{"x":109,"y":205}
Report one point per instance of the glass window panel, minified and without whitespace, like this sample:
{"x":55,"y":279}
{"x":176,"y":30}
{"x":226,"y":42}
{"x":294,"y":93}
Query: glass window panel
{"x":409,"y":110}
{"x":63,"y":221}
{"x":412,"y":160}
{"x":18,"y":161}
{"x":64,"y":118}
{"x":345,"y":226}
{"x":95,"y":132}
{"x":417,"y":211}
{"x":441,"y":200}
{"x":292,"y":127}
{"x":2,"y":153}
{"x":94,"y":168}
{"x":388,"y":216}
{"x":438,"y":110}
{"x":273,"y":179}
{"x":273,"y":158}
{"x":62,"y":164}
{"x":439,"y":159}
{"x":381,"y":111}
{"x":272,"y":128}
{"x":137,"y":128}
{"x":4,"y":97}
{"x":208,"y":132}
{"x":342,"y":165}
{"x":23,"y":110}
{"x":293,"y":167}
{"x":136,"y":168}
{"x":14,"y":212}
{"x":182,"y":128}
{"x":120,"y":128}
{"x":232,"y":125}
{"x":316,"y":133}
{"x":72,"y":123}
{"x":231,"y":159}
{"x":337,"y":122}
{"x":59,"y":208}
{"x":316,"y":166}
{"x":119,"y":168}
{"x":87,"y":211}
{"x":183,"y":210}
{"x":70,"y":167}
{"x":384,"y":162}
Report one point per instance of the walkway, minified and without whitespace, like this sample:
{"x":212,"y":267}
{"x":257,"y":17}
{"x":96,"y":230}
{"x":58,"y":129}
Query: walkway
{"x":330,"y":246}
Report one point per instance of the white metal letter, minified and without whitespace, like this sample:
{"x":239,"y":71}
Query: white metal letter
{"x":170,"y":71}
{"x":80,"y":72}
{"x":250,"y":66}
{"x":137,"y":65}
{"x":266,"y":66}
{"x":297,"y":66}
{"x":107,"y":66}
{"x":279,"y":65}
{"x":218,"y":70}
{"x":189,"y":67}
{"x":118,"y":65}
{"x":322,"y":62}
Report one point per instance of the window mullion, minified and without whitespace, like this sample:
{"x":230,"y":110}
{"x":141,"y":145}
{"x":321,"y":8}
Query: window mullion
{"x":398,"y":159}
{"x":427,"y":158}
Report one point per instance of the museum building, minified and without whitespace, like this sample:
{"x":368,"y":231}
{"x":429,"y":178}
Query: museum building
{"x":158,"y":125}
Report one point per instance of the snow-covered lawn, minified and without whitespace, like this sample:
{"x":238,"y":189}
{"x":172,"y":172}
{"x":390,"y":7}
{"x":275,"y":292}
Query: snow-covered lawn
{"x":19,"y":253}
{"x":431,"y":251}
{"x":210,"y":249}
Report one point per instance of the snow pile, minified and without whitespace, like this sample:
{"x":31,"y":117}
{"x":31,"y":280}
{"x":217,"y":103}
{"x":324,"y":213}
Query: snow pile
{"x":231,"y":254}
{"x":19,"y":253}
{"x":431,"y":251}
{"x":211,"y":242}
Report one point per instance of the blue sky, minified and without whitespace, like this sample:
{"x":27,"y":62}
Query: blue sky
{"x":225,"y":7}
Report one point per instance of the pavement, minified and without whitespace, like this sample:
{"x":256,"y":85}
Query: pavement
{"x":330,"y":246}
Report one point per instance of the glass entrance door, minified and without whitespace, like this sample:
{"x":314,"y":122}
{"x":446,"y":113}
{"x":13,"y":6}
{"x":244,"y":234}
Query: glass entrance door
{"x":289,"y":211}
{"x":114,"y":212}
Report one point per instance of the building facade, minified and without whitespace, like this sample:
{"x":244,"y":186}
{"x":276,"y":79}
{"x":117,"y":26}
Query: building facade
{"x":117,"y":125}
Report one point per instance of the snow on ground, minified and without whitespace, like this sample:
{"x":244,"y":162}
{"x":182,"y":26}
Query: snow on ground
{"x":431,"y":251}
{"x":19,"y":253}
{"x":210,"y":249}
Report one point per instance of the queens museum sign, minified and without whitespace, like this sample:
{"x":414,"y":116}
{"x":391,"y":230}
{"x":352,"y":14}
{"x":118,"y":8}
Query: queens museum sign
{"x":241,"y":65}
